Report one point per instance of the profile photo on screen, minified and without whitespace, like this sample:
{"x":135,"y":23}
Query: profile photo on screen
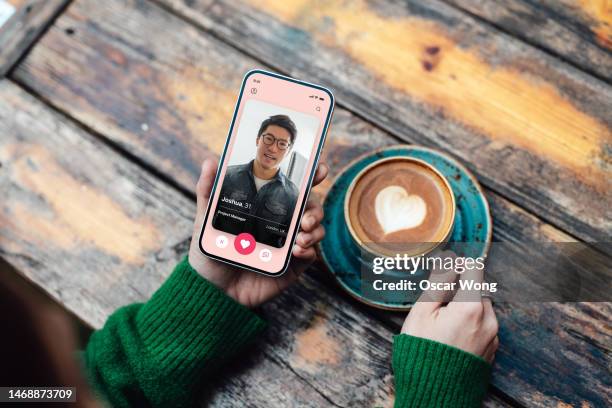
{"x":262,"y":182}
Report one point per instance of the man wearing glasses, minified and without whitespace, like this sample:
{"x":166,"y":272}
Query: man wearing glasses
{"x":257,"y":197}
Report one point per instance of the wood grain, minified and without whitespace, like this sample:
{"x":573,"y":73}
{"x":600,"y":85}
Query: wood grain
{"x":578,"y":31}
{"x":533,"y":128}
{"x":79,"y":223}
{"x":313,"y":336}
{"x":132,"y":64}
{"x":24,"y":27}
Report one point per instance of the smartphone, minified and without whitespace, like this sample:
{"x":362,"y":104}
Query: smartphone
{"x":266,"y":172}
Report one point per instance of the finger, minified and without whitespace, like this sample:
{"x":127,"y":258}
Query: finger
{"x":495,"y":344}
{"x":321,"y":173}
{"x":305,"y":254}
{"x":308,"y":239}
{"x":489,"y":317}
{"x":205,"y":183}
{"x":313,"y":201}
{"x":489,"y":355}
{"x":472,"y":278}
{"x":488,"y":306}
{"x":287,"y":279}
{"x":303,"y":258}
{"x":491,"y":349}
{"x":312,"y":216}
{"x":431,"y":300}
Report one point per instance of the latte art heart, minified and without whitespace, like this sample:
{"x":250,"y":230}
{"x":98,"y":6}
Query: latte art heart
{"x":397,"y":210}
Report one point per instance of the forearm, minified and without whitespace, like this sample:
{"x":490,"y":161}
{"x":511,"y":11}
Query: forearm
{"x":432,"y":374}
{"x":156,"y":353}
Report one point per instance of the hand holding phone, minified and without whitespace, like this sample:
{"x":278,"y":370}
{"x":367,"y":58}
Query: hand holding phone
{"x":265,"y":173}
{"x":251,"y":289}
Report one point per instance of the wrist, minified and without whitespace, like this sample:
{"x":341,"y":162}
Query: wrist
{"x":214,"y":272}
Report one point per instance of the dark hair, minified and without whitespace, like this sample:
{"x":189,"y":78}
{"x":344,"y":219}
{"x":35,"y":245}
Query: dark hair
{"x":279,"y":120}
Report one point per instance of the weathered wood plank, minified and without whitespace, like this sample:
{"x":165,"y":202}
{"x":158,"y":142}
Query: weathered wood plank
{"x":97,"y":232}
{"x":533,"y":128}
{"x":80,"y":224}
{"x":122,"y":74}
{"x":578,"y":31}
{"x":151,"y":84}
{"x":29,"y":19}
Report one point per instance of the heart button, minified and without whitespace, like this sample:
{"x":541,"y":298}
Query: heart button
{"x":244,"y":243}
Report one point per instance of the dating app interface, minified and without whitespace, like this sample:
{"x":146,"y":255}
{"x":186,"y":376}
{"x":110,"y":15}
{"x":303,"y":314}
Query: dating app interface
{"x":262,"y":184}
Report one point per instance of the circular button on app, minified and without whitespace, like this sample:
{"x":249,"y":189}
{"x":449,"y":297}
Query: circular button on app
{"x":265,"y":255}
{"x":221,"y":241}
{"x":244,"y":243}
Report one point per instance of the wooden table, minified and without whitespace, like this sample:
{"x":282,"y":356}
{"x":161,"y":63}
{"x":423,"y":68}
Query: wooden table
{"x":107,"y":113}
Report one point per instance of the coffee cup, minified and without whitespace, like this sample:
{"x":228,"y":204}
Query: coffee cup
{"x":399,"y":205}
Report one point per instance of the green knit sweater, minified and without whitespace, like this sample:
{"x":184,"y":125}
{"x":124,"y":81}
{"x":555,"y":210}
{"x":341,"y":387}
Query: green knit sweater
{"x":157,"y":353}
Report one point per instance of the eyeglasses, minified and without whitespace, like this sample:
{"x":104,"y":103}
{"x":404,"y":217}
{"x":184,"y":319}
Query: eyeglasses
{"x":269,"y":140}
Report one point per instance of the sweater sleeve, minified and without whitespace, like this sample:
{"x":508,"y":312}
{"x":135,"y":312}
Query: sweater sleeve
{"x":432,"y":374}
{"x":156,"y":353}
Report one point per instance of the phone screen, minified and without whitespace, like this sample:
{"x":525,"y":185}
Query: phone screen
{"x":266,"y":171}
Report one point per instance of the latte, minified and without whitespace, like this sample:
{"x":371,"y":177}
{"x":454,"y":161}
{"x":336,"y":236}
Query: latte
{"x":400,"y":205}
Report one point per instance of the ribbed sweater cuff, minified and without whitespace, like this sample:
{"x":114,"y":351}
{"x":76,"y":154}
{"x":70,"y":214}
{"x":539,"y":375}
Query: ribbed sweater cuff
{"x":432,"y":374}
{"x":189,"y":324}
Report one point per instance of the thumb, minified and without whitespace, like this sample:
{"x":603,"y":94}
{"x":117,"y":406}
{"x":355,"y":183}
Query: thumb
{"x":205,"y":184}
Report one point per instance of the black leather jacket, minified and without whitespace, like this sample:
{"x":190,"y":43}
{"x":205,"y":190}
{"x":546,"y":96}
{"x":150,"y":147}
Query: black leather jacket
{"x":265,"y":214}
